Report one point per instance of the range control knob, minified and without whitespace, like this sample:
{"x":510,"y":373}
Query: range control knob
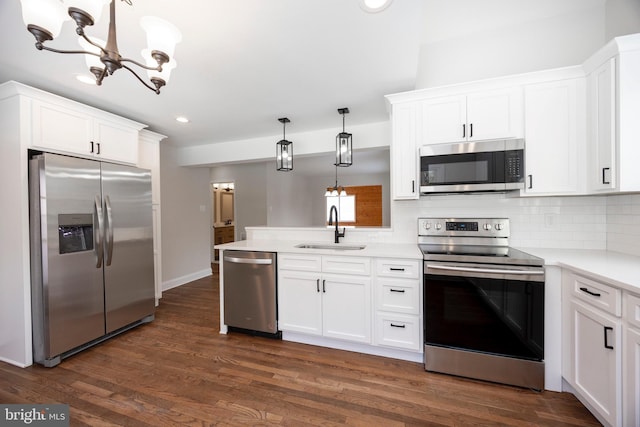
{"x":427,"y":225}
{"x":487,"y":226}
{"x":499,"y":226}
{"x":438,"y":226}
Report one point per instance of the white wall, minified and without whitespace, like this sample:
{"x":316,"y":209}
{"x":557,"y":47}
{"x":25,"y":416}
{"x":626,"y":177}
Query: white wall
{"x":622,"y":17}
{"x":250,"y":202}
{"x":186,"y":218}
{"x":466,"y":40}
{"x":289,"y":200}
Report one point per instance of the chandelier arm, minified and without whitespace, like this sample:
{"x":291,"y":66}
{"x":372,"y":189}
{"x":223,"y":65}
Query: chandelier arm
{"x":83,"y":52}
{"x":146,"y":67}
{"x":91,"y":42}
{"x":140,"y":79}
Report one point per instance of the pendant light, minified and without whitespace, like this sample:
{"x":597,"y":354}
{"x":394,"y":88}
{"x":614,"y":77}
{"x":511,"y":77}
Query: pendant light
{"x":344,"y":144}
{"x":284,"y":150}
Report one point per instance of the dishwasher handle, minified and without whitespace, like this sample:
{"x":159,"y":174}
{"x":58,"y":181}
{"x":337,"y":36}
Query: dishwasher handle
{"x":260,"y":261}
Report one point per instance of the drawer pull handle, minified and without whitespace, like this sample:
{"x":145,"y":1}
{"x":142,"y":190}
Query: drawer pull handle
{"x":587,"y":291}
{"x":606,"y":342}
{"x":396,"y":269}
{"x":397,"y":290}
{"x":393,"y":325}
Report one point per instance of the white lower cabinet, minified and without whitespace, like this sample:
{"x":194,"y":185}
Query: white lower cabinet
{"x":631,"y":369}
{"x":325,"y":295}
{"x":372,"y":301}
{"x":398,"y":304}
{"x":598,"y":361}
{"x":592,"y":362}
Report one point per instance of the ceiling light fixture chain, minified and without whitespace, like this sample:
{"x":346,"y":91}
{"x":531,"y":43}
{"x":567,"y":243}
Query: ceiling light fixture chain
{"x":44,"y":23}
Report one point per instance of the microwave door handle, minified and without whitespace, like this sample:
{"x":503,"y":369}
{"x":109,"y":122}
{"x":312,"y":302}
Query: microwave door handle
{"x":109,"y":231}
{"x":98,"y":231}
{"x":485,"y":270}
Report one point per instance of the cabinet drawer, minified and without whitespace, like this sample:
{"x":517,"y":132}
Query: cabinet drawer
{"x":299,"y":262}
{"x":398,"y":331}
{"x":409,"y":269}
{"x":598,"y":294}
{"x":346,"y":265}
{"x":398,"y":295}
{"x":633,"y":310}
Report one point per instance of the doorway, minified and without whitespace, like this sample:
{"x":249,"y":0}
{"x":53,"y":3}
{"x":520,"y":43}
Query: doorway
{"x":223,"y":218}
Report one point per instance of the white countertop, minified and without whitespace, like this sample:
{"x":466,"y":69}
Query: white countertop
{"x":378,"y":250}
{"x":615,"y":268}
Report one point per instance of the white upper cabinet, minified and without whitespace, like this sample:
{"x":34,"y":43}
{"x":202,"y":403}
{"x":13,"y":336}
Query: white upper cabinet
{"x":554,"y":137}
{"x":491,"y":114}
{"x":602,"y":101}
{"x":74,"y":129}
{"x":613,"y":89}
{"x":404,"y":151}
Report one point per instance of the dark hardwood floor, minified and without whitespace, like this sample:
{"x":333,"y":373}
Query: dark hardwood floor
{"x":179,"y":370}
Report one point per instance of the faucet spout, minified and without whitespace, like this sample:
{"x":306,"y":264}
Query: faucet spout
{"x":337,"y":233}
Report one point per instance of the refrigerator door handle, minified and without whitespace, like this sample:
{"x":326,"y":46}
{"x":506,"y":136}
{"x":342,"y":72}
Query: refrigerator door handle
{"x":98,"y":231}
{"x":108,"y":231}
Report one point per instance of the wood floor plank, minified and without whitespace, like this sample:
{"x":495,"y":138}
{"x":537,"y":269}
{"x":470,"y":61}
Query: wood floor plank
{"x":178,"y":370}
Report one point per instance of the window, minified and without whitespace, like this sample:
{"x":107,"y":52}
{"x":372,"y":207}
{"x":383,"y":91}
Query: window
{"x":346,"y":206}
{"x":361,"y":207}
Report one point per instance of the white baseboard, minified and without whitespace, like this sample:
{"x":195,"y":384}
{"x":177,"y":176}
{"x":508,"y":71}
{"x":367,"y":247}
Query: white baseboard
{"x":174,"y":283}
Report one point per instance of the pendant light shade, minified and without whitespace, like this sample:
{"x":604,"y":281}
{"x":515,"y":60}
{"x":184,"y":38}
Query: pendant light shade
{"x":344,"y":144}
{"x":284,"y":150}
{"x":48,"y":16}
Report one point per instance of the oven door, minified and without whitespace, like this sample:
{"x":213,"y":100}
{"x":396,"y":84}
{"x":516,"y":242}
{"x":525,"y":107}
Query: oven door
{"x":491,"y":309}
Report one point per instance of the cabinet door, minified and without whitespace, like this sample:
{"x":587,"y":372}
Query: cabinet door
{"x":602,"y":107}
{"x":554,"y":153}
{"x":63,"y":130}
{"x":494,"y":114}
{"x":444,"y":120}
{"x":404,"y":152}
{"x":346,"y":307}
{"x":598,"y":361}
{"x":115,"y":142}
{"x":299,"y":302}
{"x":632,"y":378}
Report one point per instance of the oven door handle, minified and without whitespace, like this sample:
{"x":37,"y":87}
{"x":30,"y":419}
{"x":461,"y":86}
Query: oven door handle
{"x":485,"y":270}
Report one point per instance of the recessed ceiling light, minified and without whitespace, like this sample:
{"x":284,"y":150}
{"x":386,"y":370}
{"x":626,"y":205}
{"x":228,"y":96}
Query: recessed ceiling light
{"x":182,"y":119}
{"x":373,"y":6}
{"x":86,"y":79}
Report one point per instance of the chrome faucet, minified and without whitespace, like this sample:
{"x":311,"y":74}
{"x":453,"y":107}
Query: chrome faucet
{"x":337,"y":233}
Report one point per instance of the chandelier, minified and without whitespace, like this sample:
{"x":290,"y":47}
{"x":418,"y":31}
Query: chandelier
{"x":44,"y":19}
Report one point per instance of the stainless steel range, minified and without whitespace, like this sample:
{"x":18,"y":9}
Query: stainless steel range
{"x":483,"y":302}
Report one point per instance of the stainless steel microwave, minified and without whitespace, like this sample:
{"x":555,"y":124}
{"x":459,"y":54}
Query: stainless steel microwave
{"x":496,"y":165}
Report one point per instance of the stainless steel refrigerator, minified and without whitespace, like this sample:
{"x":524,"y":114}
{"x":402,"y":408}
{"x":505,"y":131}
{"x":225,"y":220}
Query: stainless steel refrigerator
{"x":91,"y":253}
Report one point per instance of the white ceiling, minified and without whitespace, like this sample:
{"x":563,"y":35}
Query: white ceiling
{"x":242,"y":64}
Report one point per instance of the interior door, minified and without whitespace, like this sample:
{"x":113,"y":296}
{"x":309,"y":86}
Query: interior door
{"x":128,"y":272}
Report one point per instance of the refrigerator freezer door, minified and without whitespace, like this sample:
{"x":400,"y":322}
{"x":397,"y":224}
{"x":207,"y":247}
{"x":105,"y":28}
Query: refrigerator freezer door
{"x":128,"y":253}
{"x":67,"y":286}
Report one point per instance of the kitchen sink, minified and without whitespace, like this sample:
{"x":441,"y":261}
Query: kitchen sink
{"x":335,"y":246}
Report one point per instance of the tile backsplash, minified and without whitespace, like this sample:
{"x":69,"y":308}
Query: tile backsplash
{"x":623,"y":223}
{"x":551,"y":222}
{"x":589,"y":222}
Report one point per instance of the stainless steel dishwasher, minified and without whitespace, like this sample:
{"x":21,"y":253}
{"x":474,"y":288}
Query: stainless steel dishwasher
{"x":250,"y":292}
